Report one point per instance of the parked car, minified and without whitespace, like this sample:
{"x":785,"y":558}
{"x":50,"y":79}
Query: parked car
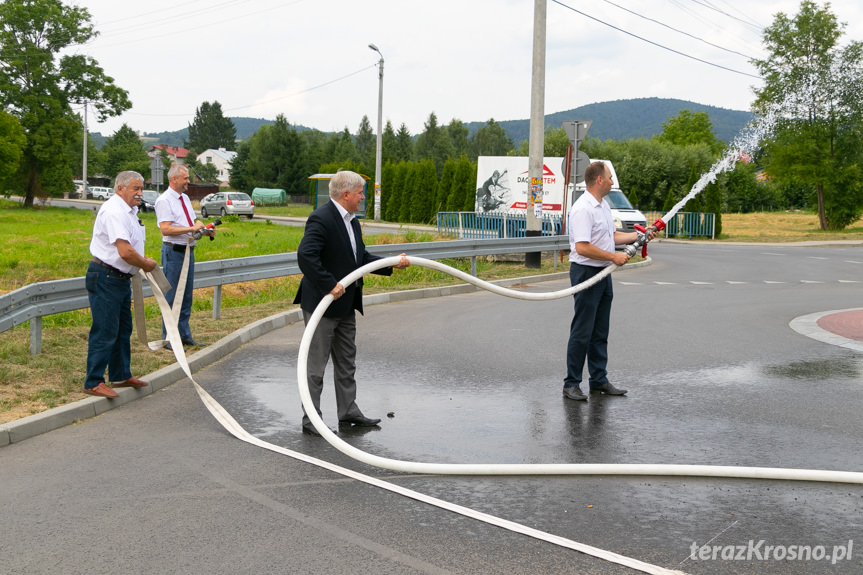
{"x":82,"y":191}
{"x":148,"y":200}
{"x":224,"y":203}
{"x":100,"y":193}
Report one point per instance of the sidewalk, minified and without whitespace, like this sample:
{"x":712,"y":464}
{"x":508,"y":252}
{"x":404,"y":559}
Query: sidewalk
{"x":836,"y":327}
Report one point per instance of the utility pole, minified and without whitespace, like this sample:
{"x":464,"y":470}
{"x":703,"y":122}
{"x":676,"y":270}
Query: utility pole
{"x":380,"y":139}
{"x":533,"y":210}
{"x":84,"y":169}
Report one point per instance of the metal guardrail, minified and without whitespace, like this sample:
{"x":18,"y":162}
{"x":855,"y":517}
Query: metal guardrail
{"x":33,"y":302}
{"x":688,"y":224}
{"x":492,"y":224}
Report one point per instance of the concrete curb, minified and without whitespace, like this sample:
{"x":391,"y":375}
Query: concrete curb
{"x":33,"y":425}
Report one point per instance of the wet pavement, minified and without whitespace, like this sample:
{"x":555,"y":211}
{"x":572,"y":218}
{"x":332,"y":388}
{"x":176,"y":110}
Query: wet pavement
{"x":715,"y":376}
{"x":703,"y":339}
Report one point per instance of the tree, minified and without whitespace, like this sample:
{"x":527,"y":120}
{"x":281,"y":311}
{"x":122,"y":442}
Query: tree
{"x":340,"y":147}
{"x":12,"y":142}
{"x":238,"y":178}
{"x":211,"y":130}
{"x":388,"y":145}
{"x":404,"y":150}
{"x":491,"y":140}
{"x":206,"y":172}
{"x":124,"y":151}
{"x":366,"y":143}
{"x":688,"y":128}
{"x":424,"y":193}
{"x":555,"y":142}
{"x":445,"y":185}
{"x":813,"y":86}
{"x":458,"y":137}
{"x":38,"y":86}
{"x":434,"y":143}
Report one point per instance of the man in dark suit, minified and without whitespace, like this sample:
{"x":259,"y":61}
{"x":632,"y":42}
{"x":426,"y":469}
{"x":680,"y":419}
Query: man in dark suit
{"x":331,"y":248}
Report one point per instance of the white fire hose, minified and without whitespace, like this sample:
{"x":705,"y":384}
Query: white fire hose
{"x":170,"y":317}
{"x":527,"y":468}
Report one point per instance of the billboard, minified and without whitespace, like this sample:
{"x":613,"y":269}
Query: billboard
{"x":503,"y":183}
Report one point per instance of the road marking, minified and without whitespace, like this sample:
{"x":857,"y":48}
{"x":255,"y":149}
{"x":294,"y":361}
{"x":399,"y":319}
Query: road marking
{"x":849,"y":281}
{"x":702,"y":283}
{"x":852,"y":262}
{"x":771,"y":254}
{"x":817,"y":258}
{"x":665,"y":283}
{"x":629,"y":283}
{"x":773,"y":282}
{"x":734,"y":283}
{"x":810,"y":282}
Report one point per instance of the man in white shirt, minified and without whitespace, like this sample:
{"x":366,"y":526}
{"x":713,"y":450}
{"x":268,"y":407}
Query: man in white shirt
{"x":592,"y":238}
{"x":117,"y":248}
{"x":176,"y":218}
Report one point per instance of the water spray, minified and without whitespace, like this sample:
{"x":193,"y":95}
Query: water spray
{"x":741,"y":148}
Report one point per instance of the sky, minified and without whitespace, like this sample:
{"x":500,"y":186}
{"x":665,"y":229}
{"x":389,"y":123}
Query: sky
{"x":467,"y":59}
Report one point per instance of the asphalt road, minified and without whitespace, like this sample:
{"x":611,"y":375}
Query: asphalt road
{"x":700,"y":338}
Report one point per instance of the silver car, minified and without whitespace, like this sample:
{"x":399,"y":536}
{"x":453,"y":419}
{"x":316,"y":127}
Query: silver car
{"x":148,"y":201}
{"x":225,"y":203}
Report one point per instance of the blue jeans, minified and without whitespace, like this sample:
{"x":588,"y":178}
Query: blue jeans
{"x":172,"y":265}
{"x":588,"y":332}
{"x":110,"y":305}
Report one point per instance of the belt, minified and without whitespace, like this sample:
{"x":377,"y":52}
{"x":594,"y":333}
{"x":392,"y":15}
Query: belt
{"x":112,"y":268}
{"x":177,"y":247}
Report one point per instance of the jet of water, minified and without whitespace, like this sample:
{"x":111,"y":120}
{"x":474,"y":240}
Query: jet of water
{"x":744,"y":145}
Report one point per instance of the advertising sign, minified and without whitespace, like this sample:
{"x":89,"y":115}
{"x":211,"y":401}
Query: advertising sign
{"x":503,"y":184}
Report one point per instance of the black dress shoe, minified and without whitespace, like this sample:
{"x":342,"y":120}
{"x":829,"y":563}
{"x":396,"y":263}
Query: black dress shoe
{"x":575,"y":393}
{"x":607,"y":389}
{"x":360,"y":420}
{"x":192,"y":342}
{"x":310,"y":430}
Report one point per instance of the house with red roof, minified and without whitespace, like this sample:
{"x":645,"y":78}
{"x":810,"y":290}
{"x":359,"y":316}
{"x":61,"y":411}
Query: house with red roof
{"x":176,"y":154}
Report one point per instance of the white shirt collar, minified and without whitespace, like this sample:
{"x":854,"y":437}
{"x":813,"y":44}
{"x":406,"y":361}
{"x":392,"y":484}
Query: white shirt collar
{"x":343,"y":212}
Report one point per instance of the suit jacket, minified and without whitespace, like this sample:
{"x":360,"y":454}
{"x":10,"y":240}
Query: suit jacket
{"x":325,"y":257}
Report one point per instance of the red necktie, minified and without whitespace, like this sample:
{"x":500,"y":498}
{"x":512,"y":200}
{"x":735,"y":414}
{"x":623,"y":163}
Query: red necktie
{"x":182,"y":203}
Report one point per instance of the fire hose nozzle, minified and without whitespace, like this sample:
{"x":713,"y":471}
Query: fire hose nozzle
{"x":209,"y":227}
{"x":644,"y":237}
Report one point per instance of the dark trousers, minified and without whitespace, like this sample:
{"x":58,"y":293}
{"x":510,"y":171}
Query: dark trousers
{"x":588,"y":332}
{"x":172,"y":265}
{"x":334,"y":338}
{"x":108,"y":346}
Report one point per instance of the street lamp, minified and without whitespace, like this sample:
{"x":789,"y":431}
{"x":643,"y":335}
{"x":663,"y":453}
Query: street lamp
{"x":380,"y":141}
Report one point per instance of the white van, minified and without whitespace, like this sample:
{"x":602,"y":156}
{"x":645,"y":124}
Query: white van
{"x":625,"y":216}
{"x":100,"y":193}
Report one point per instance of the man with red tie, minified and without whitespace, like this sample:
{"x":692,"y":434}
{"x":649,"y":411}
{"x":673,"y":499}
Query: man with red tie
{"x":176,"y":218}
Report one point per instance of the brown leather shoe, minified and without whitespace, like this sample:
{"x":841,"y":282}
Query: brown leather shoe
{"x":101,"y":390}
{"x":131,"y":382}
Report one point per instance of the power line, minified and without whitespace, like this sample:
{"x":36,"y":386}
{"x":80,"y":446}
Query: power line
{"x":711,"y":22}
{"x":267,"y":101}
{"x":752,"y":26}
{"x":175,"y":16}
{"x":657,"y":44}
{"x":678,"y":31}
{"x":187,"y":30}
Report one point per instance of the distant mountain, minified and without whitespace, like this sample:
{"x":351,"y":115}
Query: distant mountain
{"x":617,"y":120}
{"x":246,"y":127}
{"x":627,"y":119}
